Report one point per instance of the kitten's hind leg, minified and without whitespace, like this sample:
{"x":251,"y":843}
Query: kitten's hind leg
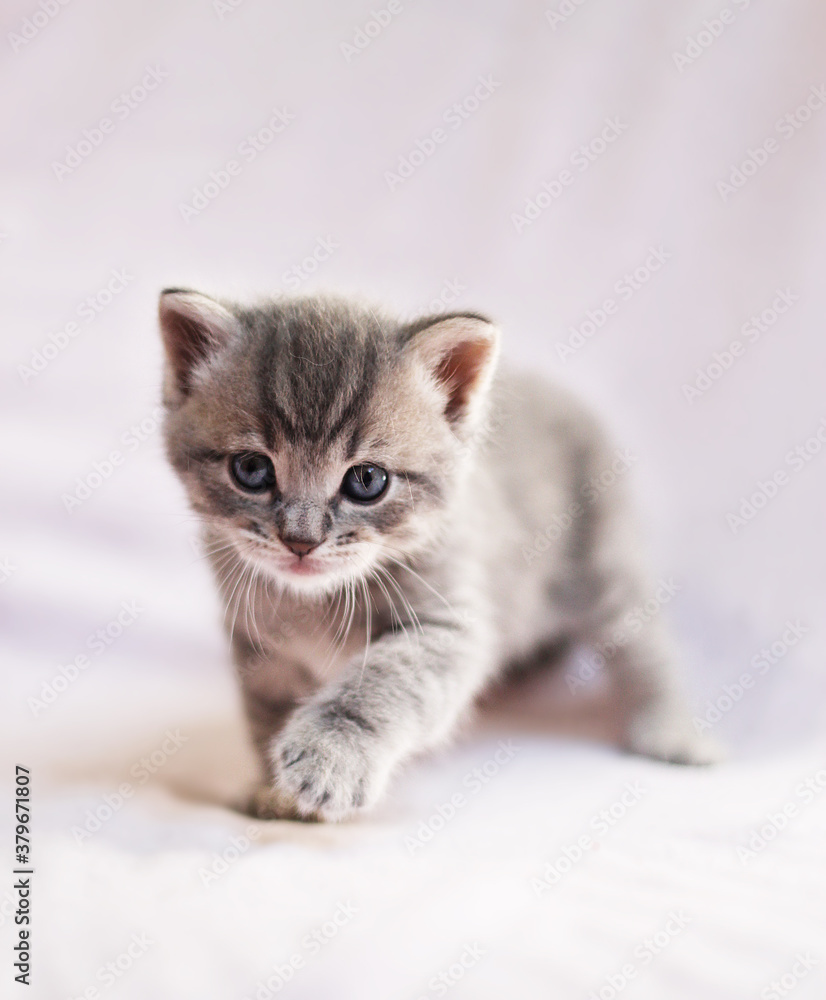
{"x":641,"y":667}
{"x":619,"y":612}
{"x":657,"y":721}
{"x":548,"y":656}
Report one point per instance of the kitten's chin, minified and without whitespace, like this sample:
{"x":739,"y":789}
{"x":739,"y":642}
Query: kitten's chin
{"x":306,"y":578}
{"x":310,"y":576}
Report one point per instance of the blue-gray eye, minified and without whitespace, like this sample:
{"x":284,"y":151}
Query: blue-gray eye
{"x":364,"y":483}
{"x":252,"y":471}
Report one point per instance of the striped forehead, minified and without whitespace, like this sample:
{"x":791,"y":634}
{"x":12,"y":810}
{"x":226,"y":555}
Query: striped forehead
{"x":316,"y":374}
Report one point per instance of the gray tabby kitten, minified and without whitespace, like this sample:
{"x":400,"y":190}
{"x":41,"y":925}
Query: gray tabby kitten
{"x":373,"y":538}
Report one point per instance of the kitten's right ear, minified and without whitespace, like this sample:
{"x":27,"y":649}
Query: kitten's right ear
{"x":194,"y":328}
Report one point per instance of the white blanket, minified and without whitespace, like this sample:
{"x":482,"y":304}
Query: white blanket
{"x":630,"y":189}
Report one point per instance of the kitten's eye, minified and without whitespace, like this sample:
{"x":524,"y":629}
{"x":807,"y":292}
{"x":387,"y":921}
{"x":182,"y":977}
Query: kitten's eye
{"x":252,"y":471}
{"x":364,"y":483}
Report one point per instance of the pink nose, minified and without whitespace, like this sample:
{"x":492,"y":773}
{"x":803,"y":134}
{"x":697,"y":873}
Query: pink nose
{"x":299,"y":547}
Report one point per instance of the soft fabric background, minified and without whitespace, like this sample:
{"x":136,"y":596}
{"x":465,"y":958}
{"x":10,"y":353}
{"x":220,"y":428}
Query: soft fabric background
{"x":449,"y":225}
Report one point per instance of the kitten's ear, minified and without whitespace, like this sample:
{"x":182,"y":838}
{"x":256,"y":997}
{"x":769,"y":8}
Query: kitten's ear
{"x":194,"y":327}
{"x":460,"y":351}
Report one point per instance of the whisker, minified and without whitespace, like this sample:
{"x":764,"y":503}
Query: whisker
{"x":243,"y":573}
{"x":394,"y":614}
{"x":332,"y":644}
{"x":406,"y":605}
{"x":424,"y":582}
{"x":249,"y":613}
{"x":369,"y":627}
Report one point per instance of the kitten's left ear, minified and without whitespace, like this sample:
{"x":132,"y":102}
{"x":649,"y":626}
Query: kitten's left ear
{"x":194,"y":328}
{"x":460,"y":351}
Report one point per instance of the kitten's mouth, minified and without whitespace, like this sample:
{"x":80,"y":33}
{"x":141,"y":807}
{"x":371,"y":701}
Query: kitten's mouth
{"x":310,"y":572}
{"x":269,"y":557}
{"x":292,"y":566}
{"x":305,"y":566}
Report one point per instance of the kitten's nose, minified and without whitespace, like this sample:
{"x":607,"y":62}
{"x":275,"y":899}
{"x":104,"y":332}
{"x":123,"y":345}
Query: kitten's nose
{"x":300,"y":546}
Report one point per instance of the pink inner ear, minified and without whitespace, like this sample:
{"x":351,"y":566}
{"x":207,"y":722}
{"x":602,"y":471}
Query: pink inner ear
{"x":187,"y":343}
{"x":193,"y":329}
{"x":459,"y":371}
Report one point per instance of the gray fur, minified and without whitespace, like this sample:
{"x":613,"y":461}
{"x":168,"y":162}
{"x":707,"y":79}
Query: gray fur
{"x":433,"y":591}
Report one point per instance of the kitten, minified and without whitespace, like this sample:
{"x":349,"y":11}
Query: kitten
{"x":375,"y":544}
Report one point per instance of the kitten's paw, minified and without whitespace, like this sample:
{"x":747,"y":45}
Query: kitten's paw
{"x":324,"y":764}
{"x":673,"y":740}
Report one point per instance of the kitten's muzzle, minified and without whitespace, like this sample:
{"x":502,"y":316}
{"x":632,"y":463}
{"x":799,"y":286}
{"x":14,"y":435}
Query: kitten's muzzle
{"x":300,"y":525}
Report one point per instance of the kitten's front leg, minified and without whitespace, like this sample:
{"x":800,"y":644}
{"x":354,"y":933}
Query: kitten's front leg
{"x":337,"y":752}
{"x":265,"y":719}
{"x":271,"y":686}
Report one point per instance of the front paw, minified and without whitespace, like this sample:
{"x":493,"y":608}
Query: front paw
{"x":327,"y":765}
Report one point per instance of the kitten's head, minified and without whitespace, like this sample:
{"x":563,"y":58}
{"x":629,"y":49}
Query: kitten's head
{"x":317,"y":438}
